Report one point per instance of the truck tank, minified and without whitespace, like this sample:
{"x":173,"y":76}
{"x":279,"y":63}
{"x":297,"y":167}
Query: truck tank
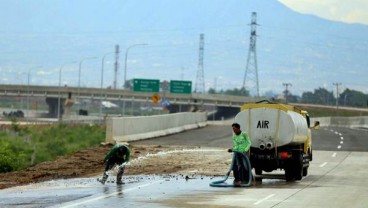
{"x":273,"y":126}
{"x":280,"y":137}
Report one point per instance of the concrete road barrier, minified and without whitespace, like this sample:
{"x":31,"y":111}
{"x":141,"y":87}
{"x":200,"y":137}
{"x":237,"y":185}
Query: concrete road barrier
{"x":125,"y":129}
{"x":348,"y":122}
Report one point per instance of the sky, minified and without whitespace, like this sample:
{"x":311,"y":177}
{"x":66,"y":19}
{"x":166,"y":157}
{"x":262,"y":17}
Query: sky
{"x":170,"y":56}
{"x":349,"y":11}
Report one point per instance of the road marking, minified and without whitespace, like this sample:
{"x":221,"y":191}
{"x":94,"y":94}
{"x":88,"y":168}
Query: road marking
{"x":341,"y":142}
{"x":342,"y":138}
{"x":264,"y":199}
{"x":323,"y":164}
{"x":339,"y":147}
{"x":112,"y":194}
{"x":334,"y":154}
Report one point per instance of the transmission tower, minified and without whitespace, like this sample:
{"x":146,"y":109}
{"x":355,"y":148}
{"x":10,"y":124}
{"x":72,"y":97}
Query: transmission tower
{"x":116,"y":65}
{"x":199,"y":87}
{"x":286,"y":85}
{"x":337,"y":94}
{"x":250,"y":81}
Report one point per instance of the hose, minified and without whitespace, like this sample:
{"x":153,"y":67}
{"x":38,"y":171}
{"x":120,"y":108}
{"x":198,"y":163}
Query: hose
{"x":245,"y":161}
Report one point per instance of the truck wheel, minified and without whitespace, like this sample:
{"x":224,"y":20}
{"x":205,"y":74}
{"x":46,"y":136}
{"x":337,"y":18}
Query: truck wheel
{"x":299,"y":170}
{"x":298,"y":174}
{"x":305,"y":171}
{"x":310,"y":155}
{"x":289,"y":173}
{"x":258,"y":171}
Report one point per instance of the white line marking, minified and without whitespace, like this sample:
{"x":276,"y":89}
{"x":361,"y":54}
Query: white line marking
{"x":108,"y":195}
{"x":264,"y":199}
{"x":336,"y":132}
{"x":340,"y":134}
{"x":342,"y":138}
{"x":334,"y":154}
{"x":323,"y":164}
{"x":341,"y":142}
{"x":339,"y":147}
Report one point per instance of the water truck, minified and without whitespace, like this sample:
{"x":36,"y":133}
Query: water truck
{"x":280,"y":136}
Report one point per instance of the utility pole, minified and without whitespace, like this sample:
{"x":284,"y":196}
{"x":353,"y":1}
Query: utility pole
{"x":251,"y":70}
{"x":286,"y":90}
{"x":116,"y":66}
{"x":199,"y":87}
{"x":337,"y":94}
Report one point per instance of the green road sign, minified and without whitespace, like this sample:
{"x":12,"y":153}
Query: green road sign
{"x":177,"y":86}
{"x":146,"y":85}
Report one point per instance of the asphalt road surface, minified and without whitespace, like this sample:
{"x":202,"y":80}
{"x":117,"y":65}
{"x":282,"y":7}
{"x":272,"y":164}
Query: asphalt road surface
{"x":337,"y":178}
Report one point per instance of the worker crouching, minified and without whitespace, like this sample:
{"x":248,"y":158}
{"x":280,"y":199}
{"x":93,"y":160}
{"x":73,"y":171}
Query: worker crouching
{"x":118,"y":155}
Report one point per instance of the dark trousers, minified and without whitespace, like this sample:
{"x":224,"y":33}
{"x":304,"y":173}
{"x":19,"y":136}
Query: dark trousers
{"x":111,"y":163}
{"x":240,"y":167}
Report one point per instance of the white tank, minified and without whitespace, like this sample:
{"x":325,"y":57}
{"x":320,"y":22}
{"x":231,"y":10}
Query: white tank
{"x":272,"y":127}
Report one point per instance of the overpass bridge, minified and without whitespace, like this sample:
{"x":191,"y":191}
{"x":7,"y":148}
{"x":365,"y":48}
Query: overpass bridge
{"x":67,"y":95}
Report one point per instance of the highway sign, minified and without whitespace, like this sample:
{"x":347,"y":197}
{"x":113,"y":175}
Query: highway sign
{"x":177,"y":86}
{"x":146,"y":85}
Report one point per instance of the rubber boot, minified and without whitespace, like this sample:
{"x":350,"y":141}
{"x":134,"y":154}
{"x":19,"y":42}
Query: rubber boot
{"x":120,"y":175}
{"x":103,"y":179}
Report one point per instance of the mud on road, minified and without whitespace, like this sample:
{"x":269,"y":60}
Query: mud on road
{"x":191,"y":153}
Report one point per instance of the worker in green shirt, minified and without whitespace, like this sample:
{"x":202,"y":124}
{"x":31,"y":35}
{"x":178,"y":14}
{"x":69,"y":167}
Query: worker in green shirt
{"x":241,"y":146}
{"x":117,"y":155}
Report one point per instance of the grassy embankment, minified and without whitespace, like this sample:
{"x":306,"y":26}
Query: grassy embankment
{"x":24,"y":146}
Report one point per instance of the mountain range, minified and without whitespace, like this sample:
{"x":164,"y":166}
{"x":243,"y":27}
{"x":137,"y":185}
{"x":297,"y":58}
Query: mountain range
{"x":40,"y":38}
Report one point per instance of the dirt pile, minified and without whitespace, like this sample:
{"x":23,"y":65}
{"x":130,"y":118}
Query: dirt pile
{"x":146,"y":160}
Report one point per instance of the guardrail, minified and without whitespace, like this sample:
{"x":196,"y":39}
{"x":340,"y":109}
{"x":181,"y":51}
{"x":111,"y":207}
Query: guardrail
{"x":120,"y":94}
{"x":348,"y":122}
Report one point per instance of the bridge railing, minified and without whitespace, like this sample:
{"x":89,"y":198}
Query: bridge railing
{"x":120,"y":94}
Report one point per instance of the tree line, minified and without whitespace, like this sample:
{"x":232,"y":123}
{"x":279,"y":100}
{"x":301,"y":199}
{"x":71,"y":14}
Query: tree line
{"x":321,"y":96}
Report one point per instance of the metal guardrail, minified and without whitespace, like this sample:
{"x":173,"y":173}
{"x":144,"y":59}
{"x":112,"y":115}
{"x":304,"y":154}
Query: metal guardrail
{"x":120,"y":94}
{"x":43,"y":121}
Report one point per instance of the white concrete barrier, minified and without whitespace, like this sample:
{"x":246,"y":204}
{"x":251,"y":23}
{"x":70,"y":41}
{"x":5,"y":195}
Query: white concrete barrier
{"x":348,"y":122}
{"x":125,"y":129}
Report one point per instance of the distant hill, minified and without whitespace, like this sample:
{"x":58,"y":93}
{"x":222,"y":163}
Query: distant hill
{"x":304,"y":50}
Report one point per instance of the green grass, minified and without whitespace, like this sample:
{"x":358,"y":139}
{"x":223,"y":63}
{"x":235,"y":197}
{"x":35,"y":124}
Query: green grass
{"x":21,"y":147}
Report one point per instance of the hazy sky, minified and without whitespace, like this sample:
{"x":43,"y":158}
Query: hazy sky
{"x":52,"y":34}
{"x":350,"y":11}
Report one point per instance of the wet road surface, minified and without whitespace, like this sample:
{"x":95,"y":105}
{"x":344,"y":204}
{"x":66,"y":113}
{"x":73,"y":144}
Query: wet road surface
{"x":337,"y":178}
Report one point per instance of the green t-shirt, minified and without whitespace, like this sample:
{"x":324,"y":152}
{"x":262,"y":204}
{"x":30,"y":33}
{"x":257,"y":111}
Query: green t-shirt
{"x":114,"y":153}
{"x":241,"y":142}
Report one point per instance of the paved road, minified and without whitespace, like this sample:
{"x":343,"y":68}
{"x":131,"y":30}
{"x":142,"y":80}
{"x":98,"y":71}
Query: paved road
{"x":337,"y":178}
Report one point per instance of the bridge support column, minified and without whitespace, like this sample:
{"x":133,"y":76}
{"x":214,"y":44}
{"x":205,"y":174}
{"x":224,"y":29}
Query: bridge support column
{"x":53,"y":104}
{"x":224,"y":113}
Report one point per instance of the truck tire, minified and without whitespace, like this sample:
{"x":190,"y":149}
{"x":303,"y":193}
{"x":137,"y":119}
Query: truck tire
{"x":310,"y":154}
{"x":299,"y":170}
{"x":258,"y":171}
{"x":305,"y":171}
{"x":289,"y":173}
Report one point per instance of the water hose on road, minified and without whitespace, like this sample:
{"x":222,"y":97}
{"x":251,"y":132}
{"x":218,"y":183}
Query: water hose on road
{"x":245,"y":161}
